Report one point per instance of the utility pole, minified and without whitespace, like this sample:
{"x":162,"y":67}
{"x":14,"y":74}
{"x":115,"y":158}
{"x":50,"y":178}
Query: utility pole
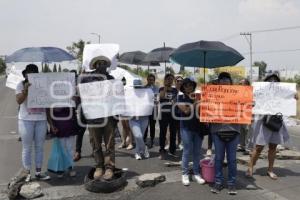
{"x":98,"y":35}
{"x":249,"y":40}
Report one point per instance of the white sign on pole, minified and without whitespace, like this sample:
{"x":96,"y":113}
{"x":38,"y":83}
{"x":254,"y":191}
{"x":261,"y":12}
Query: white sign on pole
{"x":255,"y":73}
{"x":51,"y":90}
{"x":273,"y":97}
{"x":139,"y":101}
{"x":102,"y":98}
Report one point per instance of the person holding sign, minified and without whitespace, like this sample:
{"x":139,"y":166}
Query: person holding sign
{"x":225,"y":139}
{"x":191,"y":131}
{"x":167,"y":97}
{"x":264,"y":135}
{"x":101,"y":129}
{"x":32,"y":127}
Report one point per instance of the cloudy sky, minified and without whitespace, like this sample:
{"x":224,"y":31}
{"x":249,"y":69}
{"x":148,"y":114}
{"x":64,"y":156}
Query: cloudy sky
{"x":146,"y":24}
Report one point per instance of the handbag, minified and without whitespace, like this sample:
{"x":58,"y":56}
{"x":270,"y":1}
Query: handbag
{"x":273,"y":122}
{"x":227,"y":136}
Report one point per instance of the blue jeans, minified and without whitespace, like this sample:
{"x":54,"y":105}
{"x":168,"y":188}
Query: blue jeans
{"x":230,"y":148}
{"x":32,"y":132}
{"x":192,"y":143}
{"x":138,"y":127}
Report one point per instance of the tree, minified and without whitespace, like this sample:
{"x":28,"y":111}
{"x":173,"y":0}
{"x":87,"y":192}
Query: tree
{"x":76,"y":49}
{"x":170,"y":70}
{"x":262,"y":68}
{"x":2,"y":66}
{"x":46,"y":68}
{"x":59,"y":68}
{"x":54,"y":68}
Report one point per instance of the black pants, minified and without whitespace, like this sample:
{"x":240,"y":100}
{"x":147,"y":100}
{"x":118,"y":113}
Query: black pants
{"x":152,"y":123}
{"x":79,"y":139}
{"x":167,"y":121}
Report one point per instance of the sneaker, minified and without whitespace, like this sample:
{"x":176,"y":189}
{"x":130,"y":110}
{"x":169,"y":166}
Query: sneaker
{"x":216,"y":188}
{"x":146,"y":153}
{"x":137,"y":156}
{"x":185,"y":180}
{"x":180,"y":147}
{"x":108,"y":174}
{"x":199,"y":179}
{"x":208,"y":152}
{"x":42,"y":176}
{"x":60,"y":175}
{"x":98,"y":173}
{"x":232,"y":190}
{"x":28,"y":178}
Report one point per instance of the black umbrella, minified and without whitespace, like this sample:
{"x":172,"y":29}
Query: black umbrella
{"x":210,"y":54}
{"x":39,"y":54}
{"x":160,"y":55}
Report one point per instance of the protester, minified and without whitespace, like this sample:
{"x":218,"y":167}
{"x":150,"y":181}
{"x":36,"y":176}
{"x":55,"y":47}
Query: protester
{"x":63,"y":125}
{"x":138,"y":125}
{"x":242,"y":147}
{"x":81,"y":123}
{"x":263,"y":136}
{"x":190,"y":131}
{"x":167,"y":96}
{"x":32,"y":127}
{"x":152,"y":118}
{"x":126,"y":134}
{"x":226,"y":139}
{"x":101,"y":129}
{"x":178,"y":84}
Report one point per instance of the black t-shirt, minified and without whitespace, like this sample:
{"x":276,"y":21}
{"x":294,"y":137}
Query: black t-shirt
{"x":167,"y":101}
{"x":192,"y":124}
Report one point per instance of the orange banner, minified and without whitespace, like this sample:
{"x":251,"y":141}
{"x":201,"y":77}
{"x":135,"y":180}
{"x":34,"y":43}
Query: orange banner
{"x":229,"y":104}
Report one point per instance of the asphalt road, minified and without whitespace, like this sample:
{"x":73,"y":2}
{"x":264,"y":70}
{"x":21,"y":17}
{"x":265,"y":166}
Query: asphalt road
{"x":287,"y":187}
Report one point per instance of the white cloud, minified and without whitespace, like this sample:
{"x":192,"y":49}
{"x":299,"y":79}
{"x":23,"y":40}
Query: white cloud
{"x":269,"y":8}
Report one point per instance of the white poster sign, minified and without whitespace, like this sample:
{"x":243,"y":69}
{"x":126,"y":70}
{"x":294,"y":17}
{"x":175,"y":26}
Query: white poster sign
{"x":102,"y":98}
{"x":273,"y":97}
{"x":14,"y":77}
{"x":139,"y":101}
{"x":51,"y":90}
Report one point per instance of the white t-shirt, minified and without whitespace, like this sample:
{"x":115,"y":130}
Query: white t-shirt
{"x":32,"y":114}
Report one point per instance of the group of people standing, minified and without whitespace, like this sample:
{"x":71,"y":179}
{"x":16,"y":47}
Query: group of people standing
{"x":172,"y":108}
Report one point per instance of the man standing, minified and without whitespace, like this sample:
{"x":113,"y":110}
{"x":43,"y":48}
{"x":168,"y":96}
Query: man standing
{"x":101,"y":129}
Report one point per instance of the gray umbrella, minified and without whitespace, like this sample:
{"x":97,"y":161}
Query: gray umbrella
{"x":133,"y":57}
{"x":39,"y":54}
{"x":160,"y":55}
{"x":136,"y":58}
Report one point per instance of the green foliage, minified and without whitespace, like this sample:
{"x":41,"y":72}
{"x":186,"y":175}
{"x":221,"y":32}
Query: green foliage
{"x":54,"y":68}
{"x":46,"y":68}
{"x":59,"y":68}
{"x":2,"y":66}
{"x":262,"y":68}
{"x":76,"y":49}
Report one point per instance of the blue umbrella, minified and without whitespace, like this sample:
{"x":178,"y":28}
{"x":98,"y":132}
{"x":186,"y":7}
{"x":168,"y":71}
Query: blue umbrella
{"x":39,"y":54}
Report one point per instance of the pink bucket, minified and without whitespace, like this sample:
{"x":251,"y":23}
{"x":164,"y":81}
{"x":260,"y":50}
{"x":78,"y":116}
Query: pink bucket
{"x":208,"y":171}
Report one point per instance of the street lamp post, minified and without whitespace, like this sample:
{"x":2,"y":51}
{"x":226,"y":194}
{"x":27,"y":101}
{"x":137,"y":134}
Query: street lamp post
{"x":98,"y":35}
{"x":249,"y":40}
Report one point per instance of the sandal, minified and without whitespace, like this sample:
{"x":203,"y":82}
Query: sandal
{"x":272,"y":175}
{"x":129,"y":147}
